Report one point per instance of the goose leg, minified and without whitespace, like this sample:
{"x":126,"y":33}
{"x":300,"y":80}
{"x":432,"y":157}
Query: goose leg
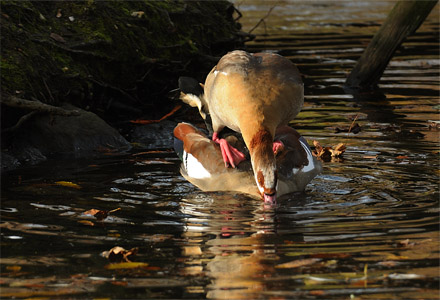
{"x":230,"y":155}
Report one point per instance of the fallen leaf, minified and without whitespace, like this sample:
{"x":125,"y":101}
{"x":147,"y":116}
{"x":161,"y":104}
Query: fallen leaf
{"x":388,"y":263}
{"x":138,"y":14}
{"x":119,"y":254}
{"x":126,"y":265}
{"x":57,"y":38}
{"x":68,"y":184}
{"x":339,"y":150}
{"x":321,"y":152}
{"x":86,"y":222}
{"x":298,"y":263}
{"x":326,"y":153}
{"x":100,"y":214}
{"x":433,"y":124}
{"x":406,"y":244}
{"x":13,"y":268}
{"x":317,"y":293}
{"x":402,"y":157}
{"x":119,"y":283}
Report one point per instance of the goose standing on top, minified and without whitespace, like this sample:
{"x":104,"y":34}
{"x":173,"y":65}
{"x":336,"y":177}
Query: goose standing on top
{"x":252,"y":94}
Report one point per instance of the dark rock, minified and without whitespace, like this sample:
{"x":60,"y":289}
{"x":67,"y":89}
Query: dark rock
{"x":154,"y":136}
{"x":47,"y":135}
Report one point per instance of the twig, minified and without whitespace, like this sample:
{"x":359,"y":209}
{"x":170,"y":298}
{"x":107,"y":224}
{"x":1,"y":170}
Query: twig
{"x":262,"y":19}
{"x":352,"y":124}
{"x":109,"y":86}
{"x":176,"y":108}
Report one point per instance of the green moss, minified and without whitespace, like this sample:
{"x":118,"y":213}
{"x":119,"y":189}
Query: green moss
{"x":105,"y":45}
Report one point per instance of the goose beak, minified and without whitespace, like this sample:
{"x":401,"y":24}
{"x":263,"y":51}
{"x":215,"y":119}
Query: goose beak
{"x":270,"y":198}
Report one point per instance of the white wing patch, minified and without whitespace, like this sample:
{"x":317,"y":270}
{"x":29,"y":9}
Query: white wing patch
{"x":311,"y":165}
{"x":194,"y":168}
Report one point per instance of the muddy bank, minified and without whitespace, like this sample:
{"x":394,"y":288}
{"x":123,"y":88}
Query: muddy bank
{"x":118,"y":60}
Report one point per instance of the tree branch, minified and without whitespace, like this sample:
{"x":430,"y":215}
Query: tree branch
{"x":16,"y":102}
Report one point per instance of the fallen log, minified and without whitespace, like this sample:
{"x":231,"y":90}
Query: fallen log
{"x":403,"y":20}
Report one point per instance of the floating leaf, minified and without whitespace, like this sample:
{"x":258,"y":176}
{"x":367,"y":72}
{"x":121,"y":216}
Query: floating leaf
{"x":339,"y":150}
{"x":100,"y":214}
{"x":119,"y":254}
{"x":126,"y":265}
{"x":402,"y":157}
{"x":13,"y":268}
{"x":86,"y":222}
{"x":68,"y":184}
{"x":298,"y":263}
{"x":326,"y":153}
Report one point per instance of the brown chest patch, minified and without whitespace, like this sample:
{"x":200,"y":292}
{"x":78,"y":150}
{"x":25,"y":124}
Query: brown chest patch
{"x":262,"y":137}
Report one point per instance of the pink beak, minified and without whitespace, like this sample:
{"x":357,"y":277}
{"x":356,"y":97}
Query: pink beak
{"x":270,"y":199}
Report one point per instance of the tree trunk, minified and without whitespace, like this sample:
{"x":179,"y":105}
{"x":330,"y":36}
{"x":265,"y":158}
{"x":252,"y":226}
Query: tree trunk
{"x":403,"y":20}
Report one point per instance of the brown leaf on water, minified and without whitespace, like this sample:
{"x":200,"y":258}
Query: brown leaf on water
{"x":298,"y":263}
{"x":13,"y":268}
{"x":433,"y":125}
{"x":86,"y":222}
{"x":326,"y":153}
{"x":321,"y":152}
{"x":119,"y":254}
{"x":388,"y":263}
{"x":100,"y":214}
{"x":402,"y":157}
{"x":407,"y":244}
{"x":68,"y":184}
{"x":317,"y":293}
{"x":339,"y":150}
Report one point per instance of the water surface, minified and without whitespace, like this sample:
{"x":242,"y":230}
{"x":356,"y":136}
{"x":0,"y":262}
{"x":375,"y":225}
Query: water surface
{"x":366,"y":228}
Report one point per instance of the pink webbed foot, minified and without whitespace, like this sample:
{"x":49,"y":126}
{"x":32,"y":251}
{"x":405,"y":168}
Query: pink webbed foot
{"x":278,"y":146}
{"x":230,"y":155}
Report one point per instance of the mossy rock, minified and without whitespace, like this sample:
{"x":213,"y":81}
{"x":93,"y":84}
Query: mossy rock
{"x":116,"y":58}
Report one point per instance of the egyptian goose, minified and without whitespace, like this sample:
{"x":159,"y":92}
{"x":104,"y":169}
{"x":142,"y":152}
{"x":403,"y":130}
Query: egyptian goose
{"x":202,"y":163}
{"x":252,"y":94}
